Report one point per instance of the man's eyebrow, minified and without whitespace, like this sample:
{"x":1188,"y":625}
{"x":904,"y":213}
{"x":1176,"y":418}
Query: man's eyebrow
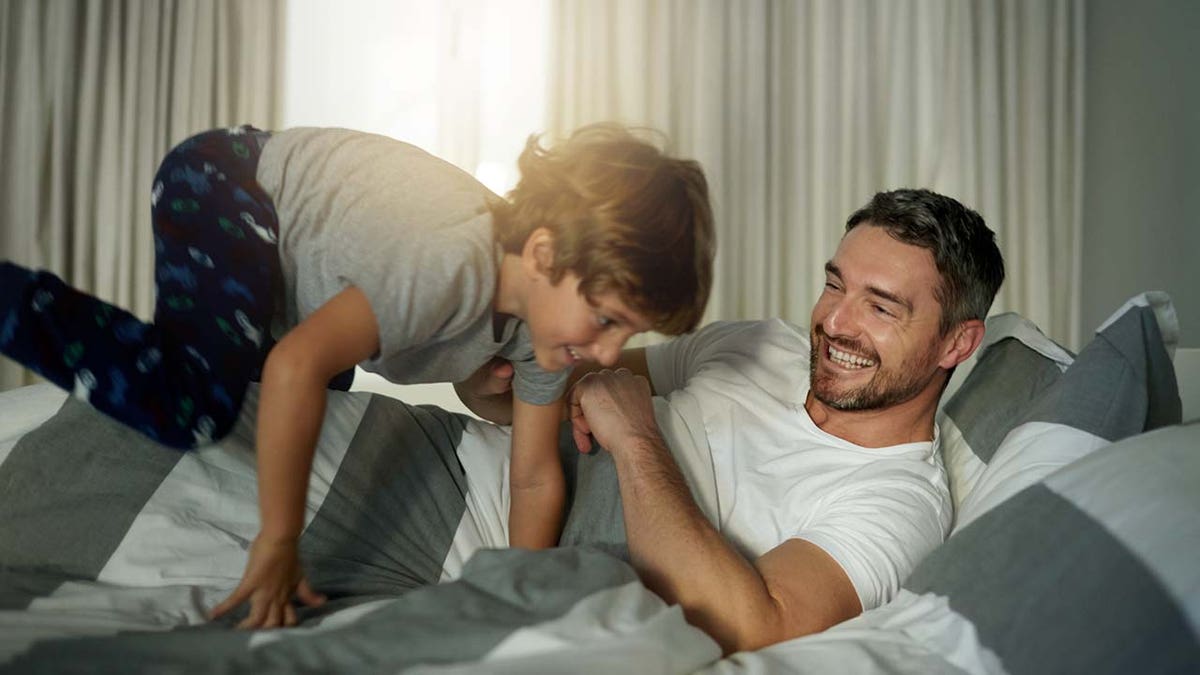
{"x":831,"y":268}
{"x":891,"y":297}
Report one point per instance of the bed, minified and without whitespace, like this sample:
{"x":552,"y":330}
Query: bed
{"x":1077,"y":494}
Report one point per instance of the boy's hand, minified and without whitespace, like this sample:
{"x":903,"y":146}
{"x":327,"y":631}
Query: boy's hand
{"x":272,"y":577}
{"x":612,"y":406}
{"x":497,"y":379}
{"x":488,"y":391}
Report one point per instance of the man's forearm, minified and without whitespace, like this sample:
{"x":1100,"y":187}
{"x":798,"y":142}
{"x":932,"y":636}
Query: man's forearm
{"x":793,"y":589}
{"x":683,"y":558}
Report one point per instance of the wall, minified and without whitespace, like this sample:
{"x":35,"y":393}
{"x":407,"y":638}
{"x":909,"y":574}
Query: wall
{"x":1141,"y":229}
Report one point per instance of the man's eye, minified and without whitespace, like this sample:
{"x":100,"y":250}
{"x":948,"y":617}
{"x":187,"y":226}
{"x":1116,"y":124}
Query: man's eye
{"x":880,"y":309}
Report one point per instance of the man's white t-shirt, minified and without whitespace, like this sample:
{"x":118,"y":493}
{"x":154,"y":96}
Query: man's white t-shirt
{"x":731,"y":407}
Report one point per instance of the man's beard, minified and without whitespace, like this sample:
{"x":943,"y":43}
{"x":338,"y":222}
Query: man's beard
{"x":888,"y":387}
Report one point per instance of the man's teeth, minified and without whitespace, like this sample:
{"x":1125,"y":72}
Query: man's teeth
{"x":849,"y":360}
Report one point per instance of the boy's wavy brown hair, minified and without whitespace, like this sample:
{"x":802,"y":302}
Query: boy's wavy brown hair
{"x":626,"y":218}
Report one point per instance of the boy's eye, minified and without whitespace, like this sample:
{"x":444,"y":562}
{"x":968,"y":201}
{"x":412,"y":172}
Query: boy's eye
{"x":604,"y":321}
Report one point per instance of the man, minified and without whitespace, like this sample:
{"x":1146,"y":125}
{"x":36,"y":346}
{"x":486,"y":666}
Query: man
{"x":771,"y":500}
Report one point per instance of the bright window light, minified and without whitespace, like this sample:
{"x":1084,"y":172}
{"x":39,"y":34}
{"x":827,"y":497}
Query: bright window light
{"x":463,"y":79}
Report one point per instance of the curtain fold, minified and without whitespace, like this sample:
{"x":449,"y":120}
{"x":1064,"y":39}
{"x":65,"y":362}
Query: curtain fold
{"x":93,"y":95}
{"x":801,"y":109}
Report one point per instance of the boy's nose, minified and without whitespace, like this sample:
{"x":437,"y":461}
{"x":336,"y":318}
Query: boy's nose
{"x":607,"y":350}
{"x":607,"y":356}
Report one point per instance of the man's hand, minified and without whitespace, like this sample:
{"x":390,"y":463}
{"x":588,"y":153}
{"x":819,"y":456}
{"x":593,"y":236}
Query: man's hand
{"x":488,"y":391}
{"x":272,"y":577}
{"x":614,"y":407}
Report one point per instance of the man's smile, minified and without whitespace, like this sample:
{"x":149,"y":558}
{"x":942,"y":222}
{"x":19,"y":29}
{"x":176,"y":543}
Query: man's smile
{"x":848,"y":360}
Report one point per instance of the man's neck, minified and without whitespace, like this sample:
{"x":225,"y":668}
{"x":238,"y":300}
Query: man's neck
{"x":907,"y":422}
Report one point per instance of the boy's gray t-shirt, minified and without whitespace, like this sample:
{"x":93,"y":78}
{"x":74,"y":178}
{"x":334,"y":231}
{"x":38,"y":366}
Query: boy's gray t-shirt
{"x":414,"y":234}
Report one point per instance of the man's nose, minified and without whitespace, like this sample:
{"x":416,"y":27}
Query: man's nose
{"x":840,"y":320}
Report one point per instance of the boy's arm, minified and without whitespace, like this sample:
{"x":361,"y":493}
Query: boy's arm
{"x":341,"y":333}
{"x":537,"y":487}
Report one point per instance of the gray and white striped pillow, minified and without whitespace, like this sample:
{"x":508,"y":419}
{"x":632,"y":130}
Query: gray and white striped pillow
{"x":1028,"y":407}
{"x":1091,"y":570}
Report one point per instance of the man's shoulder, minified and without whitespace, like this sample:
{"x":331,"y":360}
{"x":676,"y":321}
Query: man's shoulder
{"x":768,"y":355}
{"x":753,"y":333}
{"x":767,"y":343}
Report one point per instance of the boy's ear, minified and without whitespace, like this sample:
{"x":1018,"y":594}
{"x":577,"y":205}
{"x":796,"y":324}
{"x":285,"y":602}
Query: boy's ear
{"x":962,"y":342}
{"x":537,"y":255}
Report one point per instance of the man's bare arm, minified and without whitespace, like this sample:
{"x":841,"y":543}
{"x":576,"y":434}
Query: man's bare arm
{"x":792,"y":590}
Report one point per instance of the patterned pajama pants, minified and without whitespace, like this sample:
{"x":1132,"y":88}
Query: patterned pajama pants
{"x":180,"y":379}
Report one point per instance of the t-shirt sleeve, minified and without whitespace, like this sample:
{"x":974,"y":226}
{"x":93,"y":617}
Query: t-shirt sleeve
{"x":880,"y":530}
{"x":531,"y":383}
{"x":534,"y":385}
{"x":671,"y":364}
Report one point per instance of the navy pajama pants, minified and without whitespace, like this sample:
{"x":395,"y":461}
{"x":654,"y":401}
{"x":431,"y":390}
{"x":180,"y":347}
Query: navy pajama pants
{"x":180,"y":379}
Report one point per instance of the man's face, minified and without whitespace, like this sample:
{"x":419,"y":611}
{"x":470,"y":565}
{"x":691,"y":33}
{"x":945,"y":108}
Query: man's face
{"x":875,"y":329}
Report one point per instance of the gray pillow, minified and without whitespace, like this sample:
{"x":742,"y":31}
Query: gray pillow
{"x":1028,"y":408}
{"x":1091,"y":570}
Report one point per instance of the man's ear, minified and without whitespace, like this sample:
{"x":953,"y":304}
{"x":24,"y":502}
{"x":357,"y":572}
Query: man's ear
{"x":962,"y":342}
{"x":537,"y":256}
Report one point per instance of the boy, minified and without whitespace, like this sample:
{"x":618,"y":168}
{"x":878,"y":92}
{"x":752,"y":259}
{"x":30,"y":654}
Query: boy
{"x":355,"y":249}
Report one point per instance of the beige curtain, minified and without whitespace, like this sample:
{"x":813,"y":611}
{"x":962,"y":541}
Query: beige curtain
{"x":801,"y":109}
{"x":92,"y":94}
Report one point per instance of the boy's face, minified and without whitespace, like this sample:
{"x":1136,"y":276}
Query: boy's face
{"x":567,"y":328}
